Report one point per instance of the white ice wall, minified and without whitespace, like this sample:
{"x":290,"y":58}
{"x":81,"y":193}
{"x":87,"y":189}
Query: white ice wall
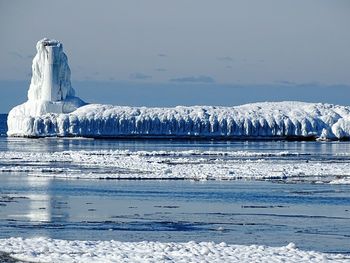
{"x":252,"y":121}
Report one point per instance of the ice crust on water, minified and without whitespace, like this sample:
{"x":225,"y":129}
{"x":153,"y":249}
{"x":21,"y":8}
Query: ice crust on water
{"x":188,"y":165}
{"x":52,"y":110}
{"x":42,"y":249}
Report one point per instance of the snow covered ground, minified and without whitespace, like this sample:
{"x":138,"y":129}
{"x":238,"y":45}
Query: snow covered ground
{"x":50,"y":250}
{"x":192,"y":164}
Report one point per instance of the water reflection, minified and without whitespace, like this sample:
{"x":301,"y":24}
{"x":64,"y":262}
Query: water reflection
{"x":40,"y":203}
{"x":39,"y":206}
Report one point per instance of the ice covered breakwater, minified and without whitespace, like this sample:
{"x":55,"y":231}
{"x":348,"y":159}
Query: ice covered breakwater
{"x":53,"y":110}
{"x":268,"y":120}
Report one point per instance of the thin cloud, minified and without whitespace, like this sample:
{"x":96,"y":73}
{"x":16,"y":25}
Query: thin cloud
{"x":162,"y":55}
{"x":226,"y":59}
{"x":194,"y":79}
{"x":286,"y":82}
{"x":161,"y":69}
{"x":139,"y":76}
{"x":16,"y":54}
{"x":19,"y":55}
{"x":309,"y":84}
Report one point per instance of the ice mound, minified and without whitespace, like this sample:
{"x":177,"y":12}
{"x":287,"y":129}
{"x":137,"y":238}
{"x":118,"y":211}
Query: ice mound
{"x":52,"y":110}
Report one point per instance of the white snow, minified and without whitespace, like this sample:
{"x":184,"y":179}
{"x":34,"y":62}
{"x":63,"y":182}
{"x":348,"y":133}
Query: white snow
{"x":52,"y":110}
{"x":41,"y":249}
{"x":344,"y":180}
{"x":192,"y":165}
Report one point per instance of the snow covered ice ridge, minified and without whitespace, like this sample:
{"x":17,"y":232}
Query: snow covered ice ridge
{"x":189,"y":165}
{"x":52,"y":110}
{"x":42,"y":249}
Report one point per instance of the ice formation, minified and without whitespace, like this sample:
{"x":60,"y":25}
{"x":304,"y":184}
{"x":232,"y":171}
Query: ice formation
{"x":179,"y":165}
{"x":50,"y":89}
{"x":51,"y":73}
{"x":52,"y":110}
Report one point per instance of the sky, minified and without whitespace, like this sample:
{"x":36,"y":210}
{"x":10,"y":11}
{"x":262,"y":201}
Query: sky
{"x":165,"y":53}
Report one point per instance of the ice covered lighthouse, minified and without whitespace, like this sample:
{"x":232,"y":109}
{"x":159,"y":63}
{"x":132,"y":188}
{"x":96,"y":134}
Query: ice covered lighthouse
{"x":50,"y":90}
{"x":53,"y":110}
{"x":55,"y":80}
{"x":51,"y":79}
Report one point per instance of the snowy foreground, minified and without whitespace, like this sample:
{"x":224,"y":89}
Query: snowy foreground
{"x":53,"y":110}
{"x":192,"y":165}
{"x":52,"y":250}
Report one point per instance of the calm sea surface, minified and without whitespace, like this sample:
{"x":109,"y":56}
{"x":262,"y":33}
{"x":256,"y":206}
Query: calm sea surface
{"x":314,"y":216}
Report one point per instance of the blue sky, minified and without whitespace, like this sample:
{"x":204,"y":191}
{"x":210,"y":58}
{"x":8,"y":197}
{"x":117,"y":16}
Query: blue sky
{"x":188,"y":52}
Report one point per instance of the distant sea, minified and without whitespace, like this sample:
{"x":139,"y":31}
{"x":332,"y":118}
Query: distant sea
{"x":3,"y":124}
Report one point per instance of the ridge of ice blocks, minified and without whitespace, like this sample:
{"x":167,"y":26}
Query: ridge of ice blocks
{"x":52,"y":110}
{"x":42,"y":249}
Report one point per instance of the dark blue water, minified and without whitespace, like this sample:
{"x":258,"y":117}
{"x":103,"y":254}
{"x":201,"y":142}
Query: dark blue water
{"x":3,"y":124}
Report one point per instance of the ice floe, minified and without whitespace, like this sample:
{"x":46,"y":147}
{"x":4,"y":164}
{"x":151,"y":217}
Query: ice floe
{"x":192,"y":165}
{"x":343,"y":180}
